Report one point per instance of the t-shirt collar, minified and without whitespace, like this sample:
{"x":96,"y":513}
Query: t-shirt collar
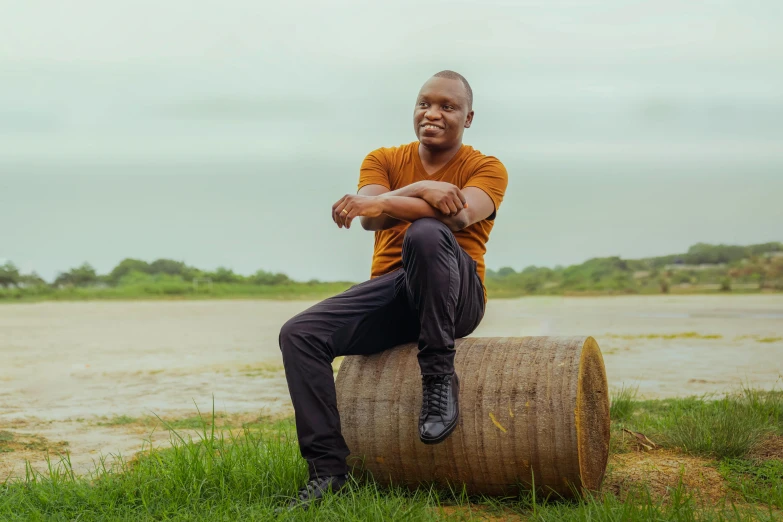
{"x":439,"y":172}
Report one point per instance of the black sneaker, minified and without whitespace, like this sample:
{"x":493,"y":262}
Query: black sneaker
{"x":439,"y":407}
{"x":315,"y":491}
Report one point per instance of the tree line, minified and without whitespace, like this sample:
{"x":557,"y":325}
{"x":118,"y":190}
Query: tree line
{"x":134,"y":271}
{"x":760,"y":266}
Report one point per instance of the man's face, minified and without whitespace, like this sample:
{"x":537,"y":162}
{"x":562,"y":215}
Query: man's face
{"x":442,"y":113}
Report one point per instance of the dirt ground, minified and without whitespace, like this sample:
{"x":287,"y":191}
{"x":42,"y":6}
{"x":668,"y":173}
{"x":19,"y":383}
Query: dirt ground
{"x":68,"y":368}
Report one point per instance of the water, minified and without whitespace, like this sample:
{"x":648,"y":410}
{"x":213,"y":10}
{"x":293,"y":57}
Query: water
{"x":66,"y":360}
{"x":68,"y":366}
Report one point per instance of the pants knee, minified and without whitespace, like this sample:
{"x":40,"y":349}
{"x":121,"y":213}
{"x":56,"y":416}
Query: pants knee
{"x":296,"y":340}
{"x":286,"y":338}
{"x":425,"y":236}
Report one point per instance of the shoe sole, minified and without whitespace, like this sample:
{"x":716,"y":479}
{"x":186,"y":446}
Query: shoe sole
{"x":444,"y":435}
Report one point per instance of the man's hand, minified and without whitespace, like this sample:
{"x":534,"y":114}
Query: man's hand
{"x":351,"y":206}
{"x":443,"y":196}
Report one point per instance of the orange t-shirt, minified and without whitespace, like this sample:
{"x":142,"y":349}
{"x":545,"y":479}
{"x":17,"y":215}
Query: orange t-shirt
{"x":397,"y":167}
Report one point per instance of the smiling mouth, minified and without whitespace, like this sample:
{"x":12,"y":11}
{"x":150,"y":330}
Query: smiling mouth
{"x":427,"y":126}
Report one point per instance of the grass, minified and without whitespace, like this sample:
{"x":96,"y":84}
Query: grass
{"x":5,"y":438}
{"x":120,"y":420}
{"x":290,"y":291}
{"x":498,"y":290}
{"x":729,"y":426}
{"x":719,"y":428}
{"x":756,"y":481}
{"x":15,"y":441}
{"x":641,"y":506}
{"x":188,"y":423}
{"x":248,"y":476}
{"x":623,"y":403}
{"x":261,"y":370}
{"x":175,"y":291}
{"x":245,"y":473}
{"x":681,"y":335}
{"x":222,"y":421}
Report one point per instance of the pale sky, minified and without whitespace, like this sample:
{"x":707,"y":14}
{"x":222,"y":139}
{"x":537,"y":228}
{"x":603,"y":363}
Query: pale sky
{"x":220,"y":133}
{"x":358,"y":32}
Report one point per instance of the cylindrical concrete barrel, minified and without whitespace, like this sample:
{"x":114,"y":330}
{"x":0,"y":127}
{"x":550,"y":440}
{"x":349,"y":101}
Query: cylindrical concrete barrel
{"x":532,"y":410}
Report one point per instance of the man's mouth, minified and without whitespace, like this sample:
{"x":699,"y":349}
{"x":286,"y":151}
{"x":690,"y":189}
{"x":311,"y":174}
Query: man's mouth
{"x":430,"y":127}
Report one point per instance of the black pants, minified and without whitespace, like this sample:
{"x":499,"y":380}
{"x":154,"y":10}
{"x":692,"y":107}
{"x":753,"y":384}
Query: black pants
{"x":435,"y":297}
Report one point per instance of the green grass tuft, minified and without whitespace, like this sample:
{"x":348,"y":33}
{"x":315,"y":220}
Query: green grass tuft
{"x":726,"y":427}
{"x":720,"y":428}
{"x":623,"y":403}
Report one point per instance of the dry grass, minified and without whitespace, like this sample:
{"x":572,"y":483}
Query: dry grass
{"x":28,"y":442}
{"x":19,"y":447}
{"x":223,"y":421}
{"x":680,"y":335}
{"x":261,"y":370}
{"x":771,"y":448}
{"x":661,"y":471}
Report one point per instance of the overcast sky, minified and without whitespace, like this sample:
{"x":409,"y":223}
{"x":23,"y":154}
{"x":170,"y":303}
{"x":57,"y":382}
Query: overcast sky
{"x":364,"y":33}
{"x":220,"y":133}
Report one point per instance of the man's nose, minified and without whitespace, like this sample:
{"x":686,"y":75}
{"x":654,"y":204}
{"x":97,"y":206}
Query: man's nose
{"x":432,"y":113}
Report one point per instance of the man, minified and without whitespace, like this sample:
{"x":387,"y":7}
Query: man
{"x":432,"y":204}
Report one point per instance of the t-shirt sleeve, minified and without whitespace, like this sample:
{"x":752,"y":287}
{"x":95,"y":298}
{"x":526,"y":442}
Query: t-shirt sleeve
{"x":492,"y":178}
{"x":374,"y":170}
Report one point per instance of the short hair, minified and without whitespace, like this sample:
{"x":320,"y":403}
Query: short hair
{"x":451,"y":75}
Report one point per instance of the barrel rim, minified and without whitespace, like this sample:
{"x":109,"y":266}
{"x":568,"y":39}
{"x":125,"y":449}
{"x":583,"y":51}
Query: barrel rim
{"x":587,"y":434}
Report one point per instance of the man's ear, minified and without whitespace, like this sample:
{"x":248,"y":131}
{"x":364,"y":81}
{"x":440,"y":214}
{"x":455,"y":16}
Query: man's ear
{"x":469,"y":120}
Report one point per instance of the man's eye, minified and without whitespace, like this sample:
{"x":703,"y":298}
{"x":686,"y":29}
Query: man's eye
{"x":422,"y":104}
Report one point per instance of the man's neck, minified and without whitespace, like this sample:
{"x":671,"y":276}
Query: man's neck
{"x":434,"y":159}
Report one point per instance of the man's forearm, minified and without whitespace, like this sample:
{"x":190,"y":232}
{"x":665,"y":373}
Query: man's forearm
{"x":386,"y":221}
{"x":436,"y":199}
{"x":411,"y":191}
{"x":410,"y":209}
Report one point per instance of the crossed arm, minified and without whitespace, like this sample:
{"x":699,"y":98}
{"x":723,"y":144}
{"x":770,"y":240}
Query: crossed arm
{"x":380,"y":208}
